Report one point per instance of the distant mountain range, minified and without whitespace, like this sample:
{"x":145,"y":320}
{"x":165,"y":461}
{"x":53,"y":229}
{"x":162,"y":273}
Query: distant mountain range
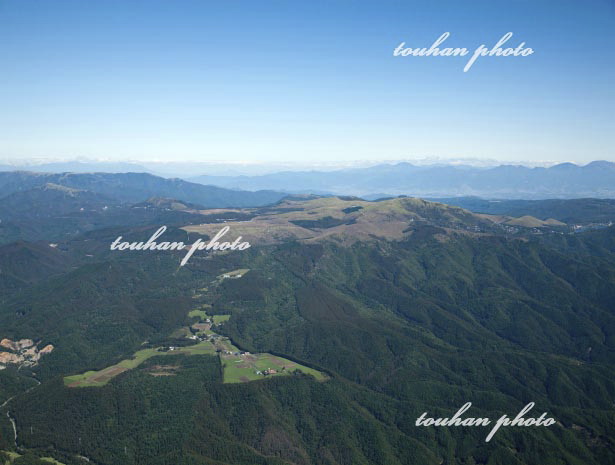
{"x":59,"y":206}
{"x":136,"y":187}
{"x":566,"y":180}
{"x":54,"y":213}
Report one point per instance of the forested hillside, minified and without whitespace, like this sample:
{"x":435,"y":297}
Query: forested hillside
{"x":447,"y":310}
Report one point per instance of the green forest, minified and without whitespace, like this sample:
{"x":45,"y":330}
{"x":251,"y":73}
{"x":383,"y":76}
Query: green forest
{"x":423,"y":324}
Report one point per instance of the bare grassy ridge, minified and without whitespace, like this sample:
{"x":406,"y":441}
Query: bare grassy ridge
{"x":350,"y":220}
{"x":334,"y":217}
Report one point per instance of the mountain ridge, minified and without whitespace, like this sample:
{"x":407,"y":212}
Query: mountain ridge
{"x":566,"y":180}
{"x":136,"y":187}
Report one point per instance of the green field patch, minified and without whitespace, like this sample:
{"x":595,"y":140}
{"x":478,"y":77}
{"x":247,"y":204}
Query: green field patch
{"x":250,"y":367}
{"x":198,"y":314}
{"x":102,"y":377}
{"x":51,"y":460}
{"x":236,"y":374}
{"x":202,"y":315}
{"x":220,"y":318}
{"x":14,"y":455}
{"x":238,"y":366}
{"x":202,"y":348}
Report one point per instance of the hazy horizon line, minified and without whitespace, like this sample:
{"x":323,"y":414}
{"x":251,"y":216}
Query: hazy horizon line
{"x":269,"y":165}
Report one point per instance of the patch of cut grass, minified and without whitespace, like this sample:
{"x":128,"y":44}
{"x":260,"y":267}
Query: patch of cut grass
{"x":198,"y":314}
{"x":51,"y":460}
{"x":246,"y":368}
{"x":220,"y":318}
{"x":235,"y":374}
{"x":15,"y":455}
{"x":202,"y":348}
{"x":102,"y":377}
{"x":236,"y":368}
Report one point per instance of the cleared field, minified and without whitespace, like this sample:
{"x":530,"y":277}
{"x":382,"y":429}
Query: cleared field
{"x":233,"y":373}
{"x":202,"y":348}
{"x":51,"y":460}
{"x":12,"y":455}
{"x":102,"y":377}
{"x":202,"y":315}
{"x":198,"y":314}
{"x":237,"y":367}
{"x":244,"y":368}
{"x":221,"y":318}
{"x":93,"y":378}
{"x":15,"y":455}
{"x":202,"y":328}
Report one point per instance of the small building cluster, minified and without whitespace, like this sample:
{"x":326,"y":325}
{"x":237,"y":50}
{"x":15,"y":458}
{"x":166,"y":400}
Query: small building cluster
{"x":267,"y":372}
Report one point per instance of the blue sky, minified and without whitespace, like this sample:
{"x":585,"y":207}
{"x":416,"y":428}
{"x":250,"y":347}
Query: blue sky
{"x":277,"y":81}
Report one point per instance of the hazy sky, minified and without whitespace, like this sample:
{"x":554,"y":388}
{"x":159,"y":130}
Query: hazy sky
{"x":304,"y":80}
